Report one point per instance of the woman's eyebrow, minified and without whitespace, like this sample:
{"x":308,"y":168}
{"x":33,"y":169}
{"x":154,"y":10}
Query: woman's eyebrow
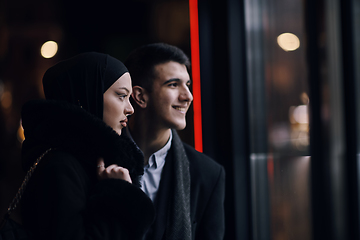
{"x":125,"y":89}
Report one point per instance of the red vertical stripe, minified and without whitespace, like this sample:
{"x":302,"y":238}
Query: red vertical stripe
{"x":195,"y":63}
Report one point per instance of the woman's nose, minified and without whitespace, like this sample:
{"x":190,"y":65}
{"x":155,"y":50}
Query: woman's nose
{"x":129,"y":109}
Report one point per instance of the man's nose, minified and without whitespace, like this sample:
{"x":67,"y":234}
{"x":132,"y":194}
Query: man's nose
{"x":186,"y":95}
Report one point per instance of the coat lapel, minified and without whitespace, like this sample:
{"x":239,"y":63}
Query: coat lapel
{"x":166,"y":197}
{"x":162,"y":199}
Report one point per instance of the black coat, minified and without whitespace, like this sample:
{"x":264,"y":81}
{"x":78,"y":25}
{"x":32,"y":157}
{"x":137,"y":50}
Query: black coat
{"x":64,"y":199}
{"x":207,"y":194}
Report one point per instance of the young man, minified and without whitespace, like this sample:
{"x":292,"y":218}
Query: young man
{"x":186,"y":186}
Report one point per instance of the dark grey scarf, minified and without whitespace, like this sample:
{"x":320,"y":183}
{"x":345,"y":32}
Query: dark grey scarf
{"x":179,"y":223}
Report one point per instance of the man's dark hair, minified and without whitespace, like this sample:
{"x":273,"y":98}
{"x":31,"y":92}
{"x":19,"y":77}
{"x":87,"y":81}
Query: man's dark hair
{"x":141,"y":62}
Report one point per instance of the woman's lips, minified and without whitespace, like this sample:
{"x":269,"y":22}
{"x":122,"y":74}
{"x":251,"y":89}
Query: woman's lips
{"x":123,"y":122}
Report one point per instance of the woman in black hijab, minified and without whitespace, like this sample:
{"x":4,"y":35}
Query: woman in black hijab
{"x":87,"y":186}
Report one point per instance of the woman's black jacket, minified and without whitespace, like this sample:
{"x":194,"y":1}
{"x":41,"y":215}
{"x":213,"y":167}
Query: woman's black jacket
{"x":64,"y":199}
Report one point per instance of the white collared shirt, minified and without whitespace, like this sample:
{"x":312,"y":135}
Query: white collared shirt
{"x":150,"y":181}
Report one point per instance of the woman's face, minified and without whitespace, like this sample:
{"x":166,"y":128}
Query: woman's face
{"x":117,"y":103}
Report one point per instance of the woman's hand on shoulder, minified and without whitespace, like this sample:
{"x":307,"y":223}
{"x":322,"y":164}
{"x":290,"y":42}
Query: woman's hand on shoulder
{"x":112,"y":171}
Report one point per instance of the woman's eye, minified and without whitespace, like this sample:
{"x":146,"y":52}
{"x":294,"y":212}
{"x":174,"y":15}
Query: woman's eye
{"x":121,"y":96}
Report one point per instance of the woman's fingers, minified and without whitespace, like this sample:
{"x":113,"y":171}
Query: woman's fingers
{"x":110,"y":168}
{"x":124,"y":173}
{"x":100,"y":166}
{"x":112,"y":171}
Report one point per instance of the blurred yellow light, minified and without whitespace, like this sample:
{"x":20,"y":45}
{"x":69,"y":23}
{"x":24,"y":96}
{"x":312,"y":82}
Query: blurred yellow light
{"x":20,"y":133}
{"x":305,"y":98}
{"x":300,"y":114}
{"x":291,"y":115}
{"x":6,"y":100}
{"x":49,"y":49}
{"x":288,"y":41}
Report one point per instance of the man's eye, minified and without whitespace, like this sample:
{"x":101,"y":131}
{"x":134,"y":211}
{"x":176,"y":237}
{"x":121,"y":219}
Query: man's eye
{"x":173,"y":84}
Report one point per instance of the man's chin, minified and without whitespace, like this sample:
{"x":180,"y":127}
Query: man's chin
{"x":179,"y":126}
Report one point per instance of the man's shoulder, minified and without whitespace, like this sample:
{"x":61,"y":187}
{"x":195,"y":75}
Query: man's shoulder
{"x":200,"y":159}
{"x":204,"y":170}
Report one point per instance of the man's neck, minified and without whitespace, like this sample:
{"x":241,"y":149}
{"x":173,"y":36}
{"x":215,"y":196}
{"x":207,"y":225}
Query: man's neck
{"x":148,"y":138}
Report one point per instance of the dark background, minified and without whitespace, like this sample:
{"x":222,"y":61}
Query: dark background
{"x":112,"y":27}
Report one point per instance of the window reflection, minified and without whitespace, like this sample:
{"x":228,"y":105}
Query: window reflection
{"x":286,"y":104}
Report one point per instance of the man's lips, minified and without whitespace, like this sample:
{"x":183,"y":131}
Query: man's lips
{"x":181,"y":109}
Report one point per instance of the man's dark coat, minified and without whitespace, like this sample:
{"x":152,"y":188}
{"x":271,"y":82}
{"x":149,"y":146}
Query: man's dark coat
{"x":207,"y":193}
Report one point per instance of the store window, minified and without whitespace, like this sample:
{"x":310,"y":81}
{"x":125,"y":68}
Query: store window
{"x":279,"y":120}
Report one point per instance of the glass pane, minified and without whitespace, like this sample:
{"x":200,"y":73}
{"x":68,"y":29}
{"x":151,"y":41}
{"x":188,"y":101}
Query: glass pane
{"x":278,"y":89}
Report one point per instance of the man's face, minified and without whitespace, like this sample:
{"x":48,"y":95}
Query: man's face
{"x":170,"y":97}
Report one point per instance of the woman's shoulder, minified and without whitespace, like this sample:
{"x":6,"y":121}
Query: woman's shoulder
{"x":60,"y":157}
{"x":61,"y":169}
{"x":59,"y":162}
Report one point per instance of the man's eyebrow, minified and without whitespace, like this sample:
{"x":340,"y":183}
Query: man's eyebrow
{"x":171,"y":80}
{"x":174,"y":80}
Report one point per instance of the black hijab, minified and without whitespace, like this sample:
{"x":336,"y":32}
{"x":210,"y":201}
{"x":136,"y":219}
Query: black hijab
{"x":82,"y":80}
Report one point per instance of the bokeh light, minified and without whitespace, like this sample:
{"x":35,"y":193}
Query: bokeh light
{"x":288,"y":41}
{"x":301,"y":114}
{"x":49,"y":49}
{"x":20,"y":133}
{"x":6,"y":100}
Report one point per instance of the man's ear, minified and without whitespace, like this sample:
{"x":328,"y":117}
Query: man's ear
{"x":140,"y":96}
